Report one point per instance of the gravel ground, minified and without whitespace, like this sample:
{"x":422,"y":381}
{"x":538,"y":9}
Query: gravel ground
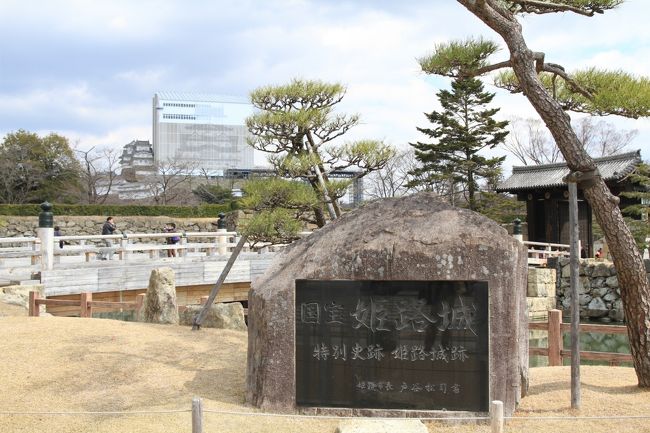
{"x":54,"y":364}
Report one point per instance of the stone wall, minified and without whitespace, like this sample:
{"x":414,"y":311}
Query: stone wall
{"x":541,"y":292}
{"x":598,"y":290}
{"x":12,"y":226}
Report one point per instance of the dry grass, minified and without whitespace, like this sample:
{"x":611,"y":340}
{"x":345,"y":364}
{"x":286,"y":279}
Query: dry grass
{"x":67,"y":364}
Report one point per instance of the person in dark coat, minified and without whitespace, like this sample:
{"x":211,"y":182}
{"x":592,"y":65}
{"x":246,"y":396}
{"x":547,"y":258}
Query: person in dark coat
{"x":108,"y":228}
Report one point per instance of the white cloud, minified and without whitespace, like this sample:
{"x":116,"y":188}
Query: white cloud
{"x":104,"y":96}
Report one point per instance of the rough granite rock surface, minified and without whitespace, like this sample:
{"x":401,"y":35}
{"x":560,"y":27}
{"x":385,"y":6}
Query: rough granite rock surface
{"x":160,"y":301}
{"x":222,"y":316}
{"x":410,"y":238}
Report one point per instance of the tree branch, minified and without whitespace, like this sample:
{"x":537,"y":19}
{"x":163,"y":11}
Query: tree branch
{"x":545,"y":7}
{"x":494,"y":67}
{"x":559,"y":71}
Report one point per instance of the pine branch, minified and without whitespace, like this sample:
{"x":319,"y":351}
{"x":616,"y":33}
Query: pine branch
{"x":555,"y":6}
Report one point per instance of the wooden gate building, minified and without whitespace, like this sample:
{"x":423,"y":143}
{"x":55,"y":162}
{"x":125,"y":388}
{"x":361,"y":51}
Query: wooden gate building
{"x":547,"y":196}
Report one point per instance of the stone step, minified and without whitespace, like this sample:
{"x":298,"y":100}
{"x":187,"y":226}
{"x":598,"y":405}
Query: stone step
{"x":24,"y":282}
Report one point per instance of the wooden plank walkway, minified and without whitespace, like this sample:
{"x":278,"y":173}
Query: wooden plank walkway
{"x":115,"y":276}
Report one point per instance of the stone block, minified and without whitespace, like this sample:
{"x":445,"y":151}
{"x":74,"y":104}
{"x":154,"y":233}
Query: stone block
{"x":541,"y":275}
{"x":584,"y":285}
{"x":617,"y":313}
{"x":19,"y":294}
{"x":536,"y":305}
{"x":612,"y":281}
{"x":603,"y":269}
{"x":381,"y":426}
{"x":596,"y":308}
{"x":610,"y":296}
{"x":541,"y":290}
{"x":584,"y":299}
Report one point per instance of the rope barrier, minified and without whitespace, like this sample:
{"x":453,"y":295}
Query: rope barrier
{"x":134,"y":412}
{"x":575,"y":418}
{"x":293,"y":415}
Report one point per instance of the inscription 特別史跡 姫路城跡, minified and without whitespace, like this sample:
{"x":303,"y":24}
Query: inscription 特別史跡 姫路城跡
{"x":392,"y":344}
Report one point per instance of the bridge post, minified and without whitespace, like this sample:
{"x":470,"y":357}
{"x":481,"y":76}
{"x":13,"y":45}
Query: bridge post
{"x":46,"y":235}
{"x":222,"y":241}
{"x":124,"y":243}
{"x":182,"y":252}
{"x":516,"y":230}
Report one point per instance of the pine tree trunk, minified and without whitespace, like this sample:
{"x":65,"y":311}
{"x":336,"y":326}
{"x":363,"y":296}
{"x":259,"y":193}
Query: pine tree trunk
{"x":632,"y":277}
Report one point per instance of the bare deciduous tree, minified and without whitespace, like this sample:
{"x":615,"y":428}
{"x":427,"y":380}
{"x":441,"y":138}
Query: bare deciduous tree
{"x":98,"y":172}
{"x":172,"y":181}
{"x":391,"y":180}
{"x":531,"y":143}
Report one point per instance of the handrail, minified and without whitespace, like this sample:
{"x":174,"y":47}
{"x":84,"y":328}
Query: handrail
{"x":547,"y":244}
{"x":555,"y":350}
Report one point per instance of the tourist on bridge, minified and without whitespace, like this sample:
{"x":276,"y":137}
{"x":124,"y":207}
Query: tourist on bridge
{"x":108,"y":228}
{"x":171,"y":228}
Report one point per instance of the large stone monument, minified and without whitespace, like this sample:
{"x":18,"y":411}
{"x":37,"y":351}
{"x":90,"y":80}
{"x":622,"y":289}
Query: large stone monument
{"x":404,"y":304}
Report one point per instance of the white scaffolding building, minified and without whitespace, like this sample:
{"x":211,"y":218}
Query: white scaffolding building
{"x":204,"y":131}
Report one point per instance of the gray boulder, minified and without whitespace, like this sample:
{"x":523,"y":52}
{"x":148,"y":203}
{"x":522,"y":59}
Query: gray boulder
{"x":160,"y":302}
{"x":414,"y":238}
{"x":222,"y":316}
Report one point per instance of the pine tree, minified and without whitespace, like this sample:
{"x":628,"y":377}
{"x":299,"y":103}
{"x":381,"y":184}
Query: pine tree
{"x":638,"y":220}
{"x":462,"y":130}
{"x":551,"y":90}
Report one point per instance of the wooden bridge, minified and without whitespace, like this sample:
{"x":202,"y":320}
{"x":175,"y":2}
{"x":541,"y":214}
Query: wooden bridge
{"x":199,"y":259}
{"x":77,"y":268}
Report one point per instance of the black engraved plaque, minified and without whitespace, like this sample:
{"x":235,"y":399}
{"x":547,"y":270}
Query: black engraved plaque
{"x":392,"y":344}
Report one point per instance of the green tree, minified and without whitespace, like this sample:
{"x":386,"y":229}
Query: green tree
{"x":551,"y":90}
{"x":464,"y":128}
{"x":36,"y":169}
{"x":637,"y":220}
{"x":213,"y":193}
{"x":281,"y":209}
{"x":296,"y":124}
{"x":501,"y":208}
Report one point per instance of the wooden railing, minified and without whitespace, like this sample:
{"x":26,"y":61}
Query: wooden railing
{"x":540,"y":252}
{"x":126,"y":246}
{"x":85,"y":304}
{"x":555,"y":350}
{"x":19,"y":247}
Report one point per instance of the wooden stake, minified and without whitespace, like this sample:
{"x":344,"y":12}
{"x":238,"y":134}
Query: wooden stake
{"x":197,"y":415}
{"x":198,"y":320}
{"x":33,"y":307}
{"x":554,"y":338}
{"x":86,"y":307}
{"x":496,"y":416}
{"x":575,"y":306}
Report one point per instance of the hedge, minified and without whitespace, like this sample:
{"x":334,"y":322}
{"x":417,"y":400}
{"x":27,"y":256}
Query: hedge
{"x":201,"y":211}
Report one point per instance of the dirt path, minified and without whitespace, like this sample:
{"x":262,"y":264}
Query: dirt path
{"x":77,"y":365}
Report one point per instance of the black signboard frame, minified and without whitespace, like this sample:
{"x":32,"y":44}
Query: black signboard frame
{"x":420,"y":345}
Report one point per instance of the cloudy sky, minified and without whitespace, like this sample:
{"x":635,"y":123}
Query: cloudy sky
{"x":88,"y":69}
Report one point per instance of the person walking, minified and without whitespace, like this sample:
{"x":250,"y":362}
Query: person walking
{"x":108,"y":228}
{"x":172,"y":240}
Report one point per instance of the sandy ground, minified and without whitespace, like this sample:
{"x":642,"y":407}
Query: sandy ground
{"x":52,"y":364}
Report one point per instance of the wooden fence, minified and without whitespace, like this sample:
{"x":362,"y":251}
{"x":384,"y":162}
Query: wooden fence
{"x":85,"y":304}
{"x":555,"y":350}
{"x":540,"y":252}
